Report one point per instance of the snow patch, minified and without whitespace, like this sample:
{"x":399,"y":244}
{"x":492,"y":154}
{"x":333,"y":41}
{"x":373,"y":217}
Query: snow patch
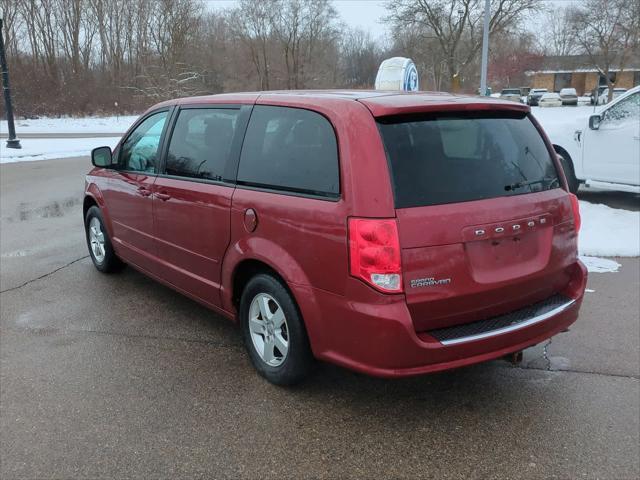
{"x":600,"y":265}
{"x":50,"y":148}
{"x":608,"y":232}
{"x":116,"y":125}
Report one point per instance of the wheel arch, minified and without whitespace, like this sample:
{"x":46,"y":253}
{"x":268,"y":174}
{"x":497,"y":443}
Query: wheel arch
{"x":244,"y":271}
{"x":568,"y":169}
{"x":252,"y":255}
{"x":577,"y":168}
{"x":237,"y":277}
{"x":93,"y":197}
{"x":562,"y":151}
{"x":89,"y":201}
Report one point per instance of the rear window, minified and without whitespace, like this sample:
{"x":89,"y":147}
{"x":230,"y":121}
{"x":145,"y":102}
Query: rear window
{"x":290,"y":149}
{"x":440,"y":159}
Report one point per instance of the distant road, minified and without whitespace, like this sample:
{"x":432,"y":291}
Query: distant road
{"x":64,"y":135}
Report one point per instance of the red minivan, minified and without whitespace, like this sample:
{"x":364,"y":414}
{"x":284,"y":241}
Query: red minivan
{"x":391,"y":233}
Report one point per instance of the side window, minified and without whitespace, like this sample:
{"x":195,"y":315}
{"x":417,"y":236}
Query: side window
{"x":201,"y":143}
{"x":627,"y":109}
{"x":290,"y":149}
{"x":139,"y":152}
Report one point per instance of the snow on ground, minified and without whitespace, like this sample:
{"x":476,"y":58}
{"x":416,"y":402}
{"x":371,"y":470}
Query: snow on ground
{"x":116,"y":125}
{"x":49,"y":148}
{"x":600,"y":265}
{"x":608,"y":232}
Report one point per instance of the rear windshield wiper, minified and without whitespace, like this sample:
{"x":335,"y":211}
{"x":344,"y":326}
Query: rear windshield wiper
{"x":514,"y":186}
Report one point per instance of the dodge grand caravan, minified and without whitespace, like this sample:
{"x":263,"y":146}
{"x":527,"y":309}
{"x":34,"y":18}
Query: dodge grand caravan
{"x":393,"y":234}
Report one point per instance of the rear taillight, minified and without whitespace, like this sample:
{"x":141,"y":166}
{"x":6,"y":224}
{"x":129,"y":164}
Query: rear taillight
{"x":575,"y":206}
{"x":374,"y":248}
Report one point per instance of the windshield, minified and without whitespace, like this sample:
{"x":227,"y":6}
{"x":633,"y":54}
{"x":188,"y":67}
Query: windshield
{"x":439,"y":159}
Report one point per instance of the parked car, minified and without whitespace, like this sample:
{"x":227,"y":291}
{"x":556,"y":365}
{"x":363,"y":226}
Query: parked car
{"x":587,"y":155}
{"x":602,"y":100}
{"x":512,"y":94}
{"x":550,"y":99}
{"x":394,"y":234}
{"x":569,"y":96}
{"x":534,"y":95}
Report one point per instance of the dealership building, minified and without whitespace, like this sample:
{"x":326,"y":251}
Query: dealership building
{"x":579,"y":72}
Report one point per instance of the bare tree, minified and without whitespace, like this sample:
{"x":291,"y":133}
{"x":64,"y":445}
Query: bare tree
{"x":360,"y":57}
{"x":607,"y":30}
{"x":456,"y":25}
{"x":300,"y":25}
{"x":557,"y":37}
{"x":425,"y":51}
{"x":82,"y":56}
{"x":253,"y":24}
{"x":12,"y":26}
{"x":43,"y":33}
{"x":172,"y":27}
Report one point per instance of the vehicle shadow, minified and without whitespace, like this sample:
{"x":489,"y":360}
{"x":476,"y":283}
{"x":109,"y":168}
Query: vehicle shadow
{"x":183,"y":318}
{"x":613,"y":199}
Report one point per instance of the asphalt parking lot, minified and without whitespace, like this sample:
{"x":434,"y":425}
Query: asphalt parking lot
{"x":117,"y":376}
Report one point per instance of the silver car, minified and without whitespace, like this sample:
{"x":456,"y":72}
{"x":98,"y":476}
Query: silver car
{"x":569,"y":96}
{"x":512,"y":94}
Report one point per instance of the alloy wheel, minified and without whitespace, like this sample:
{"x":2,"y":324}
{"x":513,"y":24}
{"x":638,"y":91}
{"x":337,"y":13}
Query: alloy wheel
{"x":268,"y":329}
{"x":96,"y":240}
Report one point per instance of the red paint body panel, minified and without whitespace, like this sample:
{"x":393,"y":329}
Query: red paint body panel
{"x":130,"y":206}
{"x":421,"y":102}
{"x":193,"y":236}
{"x":192,"y":233}
{"x":490,"y":274}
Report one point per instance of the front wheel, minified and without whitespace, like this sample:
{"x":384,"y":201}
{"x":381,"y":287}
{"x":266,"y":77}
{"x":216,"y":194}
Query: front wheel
{"x":273,"y":331}
{"x":100,"y":248}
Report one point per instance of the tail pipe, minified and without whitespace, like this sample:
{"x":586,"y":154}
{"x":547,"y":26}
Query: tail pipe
{"x":514,"y":358}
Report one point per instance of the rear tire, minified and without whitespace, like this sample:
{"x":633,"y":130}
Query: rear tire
{"x":567,"y":167}
{"x":100,"y":248}
{"x":273,"y":331}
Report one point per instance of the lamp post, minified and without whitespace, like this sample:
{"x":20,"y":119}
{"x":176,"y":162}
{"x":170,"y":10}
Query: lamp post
{"x":12,"y":141}
{"x":485,"y":48}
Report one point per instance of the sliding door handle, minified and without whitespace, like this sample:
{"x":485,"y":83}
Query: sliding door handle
{"x":144,"y":191}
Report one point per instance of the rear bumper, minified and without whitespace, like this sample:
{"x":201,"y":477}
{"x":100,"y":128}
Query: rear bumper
{"x":379,"y":339}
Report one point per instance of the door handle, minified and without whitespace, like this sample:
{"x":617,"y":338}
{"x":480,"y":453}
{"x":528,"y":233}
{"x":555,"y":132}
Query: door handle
{"x":144,"y":191}
{"x":163,"y":196}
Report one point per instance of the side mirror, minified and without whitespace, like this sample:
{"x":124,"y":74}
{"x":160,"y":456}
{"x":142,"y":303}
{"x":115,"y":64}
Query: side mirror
{"x":594,"y":122}
{"x":101,"y":157}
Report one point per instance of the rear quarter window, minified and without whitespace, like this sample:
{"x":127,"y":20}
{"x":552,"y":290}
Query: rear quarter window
{"x":438,"y":159}
{"x":290,"y":149}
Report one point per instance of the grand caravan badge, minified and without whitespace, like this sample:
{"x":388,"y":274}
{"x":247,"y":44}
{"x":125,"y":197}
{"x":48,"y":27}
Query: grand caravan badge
{"x":429,"y":282}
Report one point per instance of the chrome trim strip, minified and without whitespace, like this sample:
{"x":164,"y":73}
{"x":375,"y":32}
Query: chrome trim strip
{"x":510,"y":328}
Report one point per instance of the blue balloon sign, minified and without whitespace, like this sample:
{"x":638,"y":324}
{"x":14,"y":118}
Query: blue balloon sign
{"x":398,"y":73}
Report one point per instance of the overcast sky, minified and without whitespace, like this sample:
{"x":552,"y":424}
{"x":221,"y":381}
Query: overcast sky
{"x":355,"y":13}
{"x":365,"y":14}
